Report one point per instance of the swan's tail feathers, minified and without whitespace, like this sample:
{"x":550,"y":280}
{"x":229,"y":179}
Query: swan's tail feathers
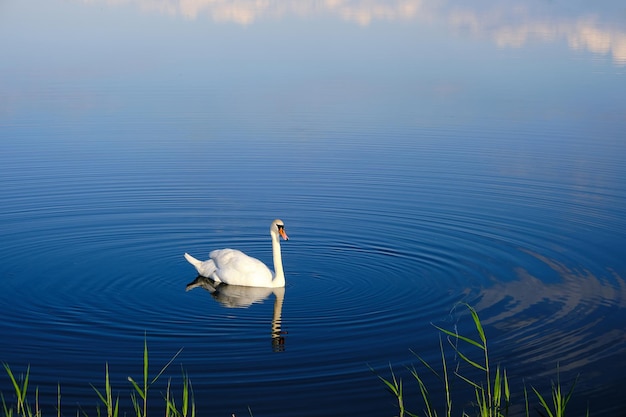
{"x":195,"y":262}
{"x":206,"y":268}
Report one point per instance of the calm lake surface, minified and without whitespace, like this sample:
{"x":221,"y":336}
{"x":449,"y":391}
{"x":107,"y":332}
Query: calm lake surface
{"x":422,"y":154}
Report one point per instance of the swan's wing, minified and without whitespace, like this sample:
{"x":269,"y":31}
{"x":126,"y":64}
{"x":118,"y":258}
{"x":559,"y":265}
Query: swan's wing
{"x":236,"y":268}
{"x":206,"y":268}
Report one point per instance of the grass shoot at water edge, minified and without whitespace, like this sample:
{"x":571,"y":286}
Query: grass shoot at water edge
{"x":491,"y":393}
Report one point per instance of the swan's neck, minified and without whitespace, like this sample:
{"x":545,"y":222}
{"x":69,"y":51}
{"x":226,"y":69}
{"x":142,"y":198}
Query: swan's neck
{"x":279,"y":275}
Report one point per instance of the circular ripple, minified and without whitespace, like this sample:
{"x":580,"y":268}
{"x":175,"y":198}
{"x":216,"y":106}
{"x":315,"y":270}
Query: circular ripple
{"x":96,"y":267}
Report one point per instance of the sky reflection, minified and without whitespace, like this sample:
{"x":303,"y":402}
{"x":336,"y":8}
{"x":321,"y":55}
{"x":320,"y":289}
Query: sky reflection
{"x":596,"y":28}
{"x":554,"y":332}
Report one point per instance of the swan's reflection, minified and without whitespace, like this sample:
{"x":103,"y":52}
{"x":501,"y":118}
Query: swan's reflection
{"x":235,"y":296}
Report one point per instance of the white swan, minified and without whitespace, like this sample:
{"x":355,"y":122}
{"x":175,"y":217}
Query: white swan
{"x":234,"y":267}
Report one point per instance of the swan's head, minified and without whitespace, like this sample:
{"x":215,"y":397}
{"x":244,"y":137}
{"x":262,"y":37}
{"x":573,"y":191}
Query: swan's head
{"x":278,"y":229}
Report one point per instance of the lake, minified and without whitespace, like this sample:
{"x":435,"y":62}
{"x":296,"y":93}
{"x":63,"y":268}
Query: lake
{"x":423,"y":155}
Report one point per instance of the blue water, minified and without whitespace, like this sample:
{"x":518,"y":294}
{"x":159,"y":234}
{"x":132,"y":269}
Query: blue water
{"x":417,"y":162}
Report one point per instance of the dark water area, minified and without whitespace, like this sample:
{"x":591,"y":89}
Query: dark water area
{"x":421,"y":155}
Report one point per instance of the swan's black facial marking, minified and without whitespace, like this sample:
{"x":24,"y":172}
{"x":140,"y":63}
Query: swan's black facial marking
{"x":281,"y":231}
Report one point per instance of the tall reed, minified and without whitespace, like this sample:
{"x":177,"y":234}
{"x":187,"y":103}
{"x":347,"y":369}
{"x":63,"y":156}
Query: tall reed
{"x":111,"y":402}
{"x":20,"y":387}
{"x":559,"y":400}
{"x":106,"y":397}
{"x":141,"y":407}
{"x":492,"y":395}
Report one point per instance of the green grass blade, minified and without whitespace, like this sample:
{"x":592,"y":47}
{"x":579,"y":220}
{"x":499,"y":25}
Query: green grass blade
{"x":469,"y":361}
{"x":106,"y":397}
{"x":99,"y":394}
{"x":526,"y":400}
{"x":166,"y":366}
{"x":469,"y":381}
{"x":543,"y":402}
{"x":8,"y":412}
{"x":571,"y":391}
{"x":136,"y":404}
{"x":145,"y":363}
{"x":20,"y":390}
{"x":507,"y":393}
{"x":137,"y":388}
{"x":427,"y":365}
{"x":477,"y":323}
{"x":394,"y":385}
{"x":497,"y":387}
{"x":460,"y":337}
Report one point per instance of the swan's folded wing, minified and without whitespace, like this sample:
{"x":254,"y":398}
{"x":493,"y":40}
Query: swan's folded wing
{"x":235,"y":267}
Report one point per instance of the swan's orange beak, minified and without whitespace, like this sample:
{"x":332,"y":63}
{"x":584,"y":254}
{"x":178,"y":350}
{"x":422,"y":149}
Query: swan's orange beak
{"x":282,"y":233}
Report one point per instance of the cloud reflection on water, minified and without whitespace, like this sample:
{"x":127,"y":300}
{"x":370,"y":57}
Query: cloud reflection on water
{"x":569,"y":330}
{"x":506,"y":24}
{"x":514,"y":28}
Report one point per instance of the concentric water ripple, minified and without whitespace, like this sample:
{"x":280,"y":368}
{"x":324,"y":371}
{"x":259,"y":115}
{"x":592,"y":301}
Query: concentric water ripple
{"x":380,"y":249}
